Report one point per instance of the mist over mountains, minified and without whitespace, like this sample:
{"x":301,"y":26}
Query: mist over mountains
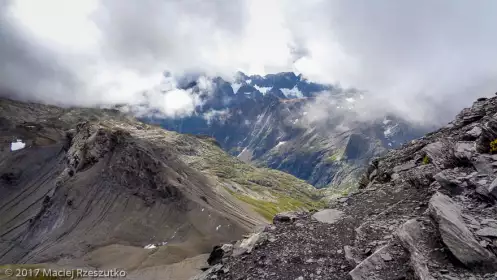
{"x":90,"y":53}
{"x":320,"y":133}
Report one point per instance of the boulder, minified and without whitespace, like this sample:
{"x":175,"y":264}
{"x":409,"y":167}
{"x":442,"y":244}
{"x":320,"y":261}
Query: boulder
{"x":487,"y":232}
{"x":474,"y":133}
{"x":411,"y":236}
{"x":216,"y":255}
{"x":352,"y":255}
{"x":489,"y":133}
{"x":464,"y":150}
{"x":285,"y":217}
{"x":448,"y":180}
{"x":440,"y":154}
{"x":483,"y":164}
{"x":329,"y":216}
{"x":456,"y":235}
{"x":379,"y":266}
{"x":404,"y":167}
{"x":247,"y":245}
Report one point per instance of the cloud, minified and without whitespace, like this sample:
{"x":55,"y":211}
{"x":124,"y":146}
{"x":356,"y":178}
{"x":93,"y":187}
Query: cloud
{"x":424,"y":60}
{"x":216,"y":115}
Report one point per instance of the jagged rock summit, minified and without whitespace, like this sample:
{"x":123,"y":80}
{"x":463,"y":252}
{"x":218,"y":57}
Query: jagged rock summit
{"x":424,"y":211}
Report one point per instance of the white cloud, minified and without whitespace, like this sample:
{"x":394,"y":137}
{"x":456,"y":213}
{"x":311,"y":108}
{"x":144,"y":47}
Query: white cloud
{"x":425,"y":59}
{"x":219,"y":115}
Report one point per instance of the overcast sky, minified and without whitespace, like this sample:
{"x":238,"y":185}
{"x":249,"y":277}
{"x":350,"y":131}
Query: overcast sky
{"x":427,"y":59}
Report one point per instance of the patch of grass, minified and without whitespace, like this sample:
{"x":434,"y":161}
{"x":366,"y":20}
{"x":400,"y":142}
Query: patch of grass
{"x":337,"y":156}
{"x":289,"y":193}
{"x":493,"y":146}
{"x":269,"y":209}
{"x":426,"y":160}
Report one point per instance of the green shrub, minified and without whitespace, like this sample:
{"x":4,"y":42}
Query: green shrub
{"x":426,"y":160}
{"x":493,"y":146}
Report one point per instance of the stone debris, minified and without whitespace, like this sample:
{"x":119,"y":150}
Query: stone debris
{"x":456,"y":235}
{"x":411,"y":218}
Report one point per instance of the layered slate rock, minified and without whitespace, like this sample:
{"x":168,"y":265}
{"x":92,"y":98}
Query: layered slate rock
{"x":424,"y":211}
{"x":456,"y":235}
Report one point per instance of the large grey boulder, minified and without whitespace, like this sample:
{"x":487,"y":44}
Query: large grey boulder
{"x":411,"y":236}
{"x":487,"y":232}
{"x":483,"y":164}
{"x":474,"y":133}
{"x":448,"y":180}
{"x":246,"y":245}
{"x":329,"y":216}
{"x":440,"y":154}
{"x":464,"y":150}
{"x":404,"y":167}
{"x":285,"y":217}
{"x":455,"y":234}
{"x":381,"y":265}
{"x":352,"y":255}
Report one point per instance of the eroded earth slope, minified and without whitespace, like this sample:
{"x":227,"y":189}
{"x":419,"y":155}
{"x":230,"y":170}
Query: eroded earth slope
{"x":93,"y":188}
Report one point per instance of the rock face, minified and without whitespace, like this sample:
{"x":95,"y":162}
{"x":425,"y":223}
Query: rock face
{"x":424,"y":211}
{"x":95,"y":188}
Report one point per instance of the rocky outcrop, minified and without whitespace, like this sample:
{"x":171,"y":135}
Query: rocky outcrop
{"x":424,"y":211}
{"x":456,"y":235}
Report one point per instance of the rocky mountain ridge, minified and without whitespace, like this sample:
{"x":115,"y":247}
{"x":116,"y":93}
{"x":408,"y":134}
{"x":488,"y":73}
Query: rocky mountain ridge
{"x":424,"y":211}
{"x":285,"y":122}
{"x":98,"y":189}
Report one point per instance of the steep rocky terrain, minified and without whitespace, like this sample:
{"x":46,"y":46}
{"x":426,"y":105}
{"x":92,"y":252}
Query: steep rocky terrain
{"x":424,"y":211}
{"x":286,"y":122}
{"x":95,"y":188}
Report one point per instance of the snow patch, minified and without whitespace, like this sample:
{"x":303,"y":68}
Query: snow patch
{"x":218,"y":227}
{"x":263,"y":90}
{"x":292,"y":93}
{"x":236,"y":87}
{"x":249,"y":81}
{"x":350,"y":99}
{"x":390,"y":131}
{"x":17,"y":145}
{"x":280,"y":143}
{"x":150,"y":246}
